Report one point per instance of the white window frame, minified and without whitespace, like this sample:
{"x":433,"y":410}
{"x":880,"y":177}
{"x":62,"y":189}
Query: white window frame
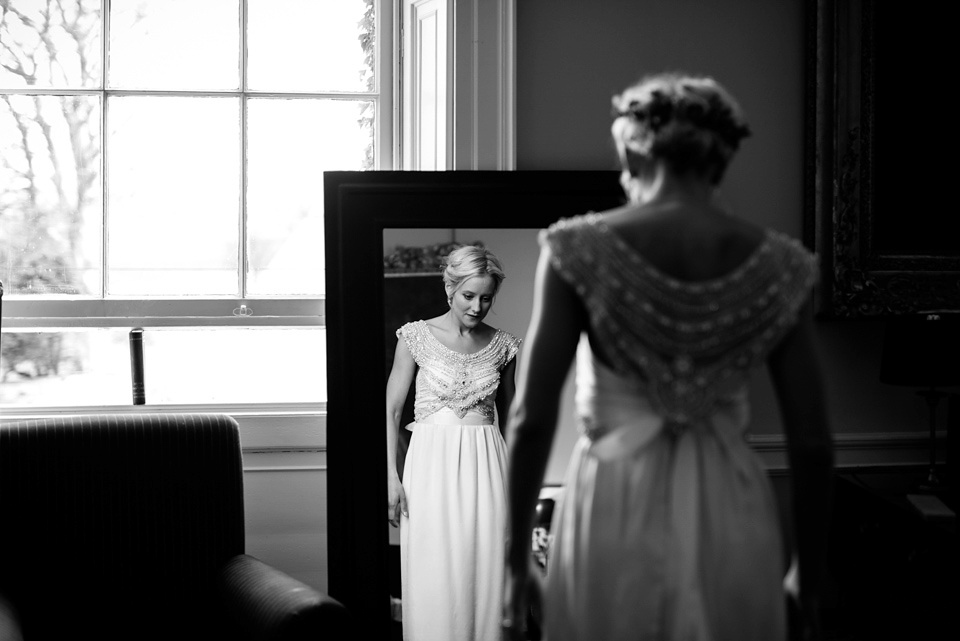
{"x":480,"y":134}
{"x":472,"y":121}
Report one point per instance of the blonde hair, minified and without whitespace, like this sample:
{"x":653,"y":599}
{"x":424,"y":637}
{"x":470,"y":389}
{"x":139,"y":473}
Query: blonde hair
{"x":690,"y":122}
{"x":468,"y":261}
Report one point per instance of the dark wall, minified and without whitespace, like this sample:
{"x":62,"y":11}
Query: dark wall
{"x":573,"y":55}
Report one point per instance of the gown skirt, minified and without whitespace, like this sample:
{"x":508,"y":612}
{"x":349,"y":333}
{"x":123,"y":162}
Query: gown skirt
{"x":660,"y":536}
{"x":452,"y":542}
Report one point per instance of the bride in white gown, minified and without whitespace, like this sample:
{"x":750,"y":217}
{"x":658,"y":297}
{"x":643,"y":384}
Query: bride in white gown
{"x":451,"y":503}
{"x":668,"y":528}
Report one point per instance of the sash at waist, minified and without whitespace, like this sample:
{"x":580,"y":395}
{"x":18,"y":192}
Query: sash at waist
{"x":446,"y":416}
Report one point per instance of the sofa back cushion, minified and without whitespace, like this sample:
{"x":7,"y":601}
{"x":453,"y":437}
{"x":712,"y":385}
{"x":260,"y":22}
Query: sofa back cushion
{"x":137,"y":510}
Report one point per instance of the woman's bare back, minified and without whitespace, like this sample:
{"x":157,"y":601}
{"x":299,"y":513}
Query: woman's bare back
{"x":690,"y":242}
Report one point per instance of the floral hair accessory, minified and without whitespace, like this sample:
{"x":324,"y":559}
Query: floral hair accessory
{"x":654,"y":114}
{"x":660,"y":109}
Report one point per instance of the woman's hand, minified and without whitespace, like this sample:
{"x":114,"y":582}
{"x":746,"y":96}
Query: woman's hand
{"x":803,"y":610}
{"x":396,"y":500}
{"x":522,"y":603}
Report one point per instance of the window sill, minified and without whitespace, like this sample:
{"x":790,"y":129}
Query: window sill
{"x":265,"y":428}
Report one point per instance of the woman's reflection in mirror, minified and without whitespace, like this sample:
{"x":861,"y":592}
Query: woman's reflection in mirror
{"x":450,"y":504}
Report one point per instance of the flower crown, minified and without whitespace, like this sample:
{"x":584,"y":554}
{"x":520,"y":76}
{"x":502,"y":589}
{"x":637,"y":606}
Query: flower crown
{"x":661,"y":109}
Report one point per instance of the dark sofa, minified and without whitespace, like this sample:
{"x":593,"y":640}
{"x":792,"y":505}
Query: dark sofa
{"x":131,"y":526}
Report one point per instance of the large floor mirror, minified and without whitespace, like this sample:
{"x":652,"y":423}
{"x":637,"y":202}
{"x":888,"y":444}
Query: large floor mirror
{"x":368,"y":215}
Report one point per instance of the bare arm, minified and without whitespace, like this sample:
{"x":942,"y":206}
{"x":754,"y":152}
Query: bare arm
{"x":798,"y":382}
{"x":551,"y":342}
{"x":505,"y":392}
{"x":398,"y":385}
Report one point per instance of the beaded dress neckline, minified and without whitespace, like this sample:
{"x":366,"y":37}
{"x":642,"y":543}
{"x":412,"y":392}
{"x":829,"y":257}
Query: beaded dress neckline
{"x":480,"y":351}
{"x":452,"y":379}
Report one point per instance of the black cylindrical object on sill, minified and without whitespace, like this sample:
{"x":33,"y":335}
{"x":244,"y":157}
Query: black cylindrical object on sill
{"x":136,"y":366}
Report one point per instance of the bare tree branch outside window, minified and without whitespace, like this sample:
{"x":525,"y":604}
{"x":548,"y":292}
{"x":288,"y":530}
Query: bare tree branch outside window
{"x":145,"y":157}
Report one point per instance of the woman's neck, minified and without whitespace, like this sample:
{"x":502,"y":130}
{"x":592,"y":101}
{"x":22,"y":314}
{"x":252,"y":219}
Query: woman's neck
{"x":451,"y":324}
{"x":665,"y":187}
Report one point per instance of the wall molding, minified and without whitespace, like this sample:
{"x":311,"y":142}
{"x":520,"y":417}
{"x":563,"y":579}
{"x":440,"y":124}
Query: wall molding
{"x":858,"y":449}
{"x":284,"y":459}
{"x":294,"y":438}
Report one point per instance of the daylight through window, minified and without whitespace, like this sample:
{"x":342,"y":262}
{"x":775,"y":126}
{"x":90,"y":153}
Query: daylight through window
{"x":161,"y":166}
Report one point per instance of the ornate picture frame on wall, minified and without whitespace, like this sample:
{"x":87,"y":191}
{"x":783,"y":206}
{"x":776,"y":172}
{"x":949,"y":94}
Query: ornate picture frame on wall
{"x":872,"y":168}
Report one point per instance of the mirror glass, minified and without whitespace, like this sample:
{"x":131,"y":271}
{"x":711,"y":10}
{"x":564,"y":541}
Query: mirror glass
{"x":413,"y":290}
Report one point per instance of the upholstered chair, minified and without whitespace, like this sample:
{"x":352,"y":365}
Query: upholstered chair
{"x":131,"y":526}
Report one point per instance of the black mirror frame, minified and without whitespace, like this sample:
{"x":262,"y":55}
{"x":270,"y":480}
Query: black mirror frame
{"x":358,"y":207}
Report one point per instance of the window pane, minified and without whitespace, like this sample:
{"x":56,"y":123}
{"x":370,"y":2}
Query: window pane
{"x":235,"y":365}
{"x":174,"y":193}
{"x":68,"y":367}
{"x":50,"y":44}
{"x":175,"y":44}
{"x":290,"y":144}
{"x":181,"y":366}
{"x":310,"y":45}
{"x":50,"y":207}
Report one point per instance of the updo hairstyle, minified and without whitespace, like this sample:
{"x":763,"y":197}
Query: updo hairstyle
{"x":690,"y":122}
{"x":468,"y":261}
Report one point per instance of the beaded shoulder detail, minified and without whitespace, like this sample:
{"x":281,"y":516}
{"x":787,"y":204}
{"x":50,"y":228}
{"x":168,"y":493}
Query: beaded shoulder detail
{"x":680,"y":339}
{"x":459,"y":381}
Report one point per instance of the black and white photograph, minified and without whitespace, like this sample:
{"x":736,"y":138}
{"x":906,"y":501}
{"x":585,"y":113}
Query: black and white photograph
{"x":477,"y":320}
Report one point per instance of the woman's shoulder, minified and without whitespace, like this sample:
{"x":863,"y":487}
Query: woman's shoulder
{"x":569,"y":236}
{"x":491,"y":333}
{"x":506,"y":343}
{"x":576,"y":226}
{"x":785,"y":241}
{"x":567,"y":225}
{"x":436,"y":322}
{"x":506,"y":336}
{"x":792,"y":254}
{"x":414,"y":323}
{"x":411,"y":328}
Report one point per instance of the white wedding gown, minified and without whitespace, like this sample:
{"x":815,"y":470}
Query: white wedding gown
{"x":668,"y":528}
{"x":452,"y":542}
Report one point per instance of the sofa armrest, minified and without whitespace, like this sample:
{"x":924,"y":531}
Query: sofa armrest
{"x":9,"y":625}
{"x":266,"y":604}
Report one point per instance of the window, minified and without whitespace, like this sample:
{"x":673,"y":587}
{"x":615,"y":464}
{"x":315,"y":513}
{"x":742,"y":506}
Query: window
{"x":161,"y":167}
{"x":458,"y":67}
